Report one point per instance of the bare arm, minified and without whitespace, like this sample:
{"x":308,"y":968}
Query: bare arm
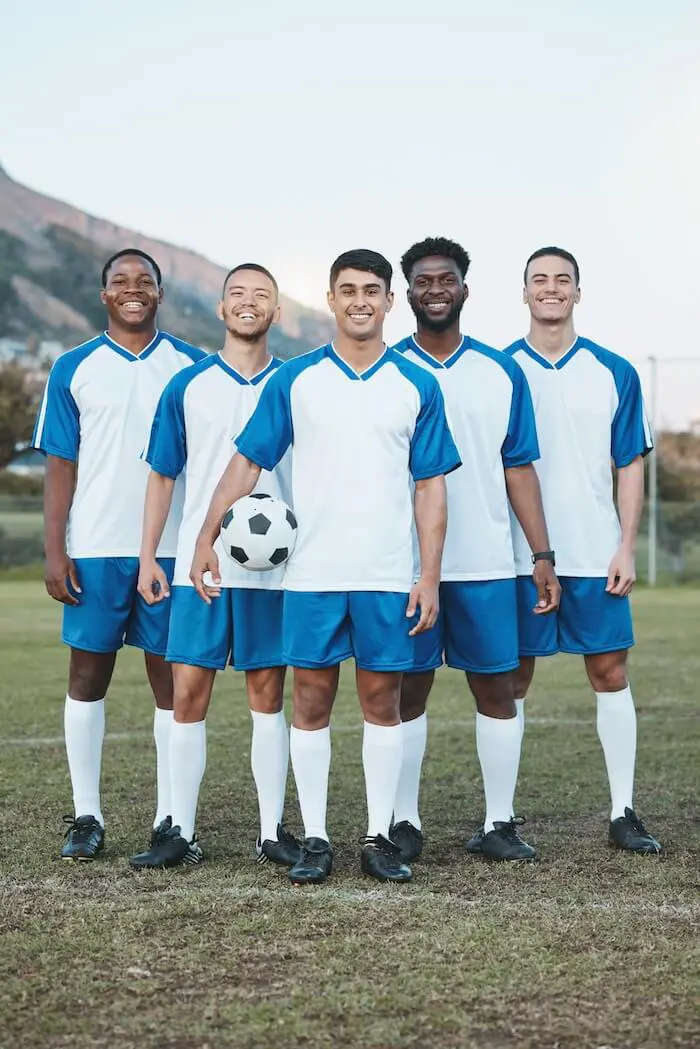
{"x":238,"y":479}
{"x":153,"y":584}
{"x":430,"y":509}
{"x":59,"y":485}
{"x":630,"y":503}
{"x":523,"y":488}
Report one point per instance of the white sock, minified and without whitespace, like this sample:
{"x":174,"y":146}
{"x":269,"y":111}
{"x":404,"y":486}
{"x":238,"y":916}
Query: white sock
{"x":310,"y":752}
{"x":269,"y":758}
{"x":520,"y":714}
{"x":188,"y":760}
{"x":498,"y":747}
{"x":84,"y":728}
{"x":162,"y":720}
{"x":382,"y":750}
{"x":616,"y":723}
{"x":415,"y":735}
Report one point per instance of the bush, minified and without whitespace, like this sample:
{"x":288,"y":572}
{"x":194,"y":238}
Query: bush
{"x":17,"y":484}
{"x":20,"y":549}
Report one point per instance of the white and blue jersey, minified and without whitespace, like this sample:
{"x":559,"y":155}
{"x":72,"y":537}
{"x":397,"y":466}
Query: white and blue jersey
{"x":357,"y":441}
{"x":490,"y":413}
{"x":97,"y":411}
{"x":201,"y":412}
{"x":589,"y":413}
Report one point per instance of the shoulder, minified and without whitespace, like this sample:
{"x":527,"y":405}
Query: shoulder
{"x":180,"y":346}
{"x":288,"y":371}
{"x":183,"y":379}
{"x":65,"y":366}
{"x":404,"y":345}
{"x":515,"y":347}
{"x":425,"y":382}
{"x":501,"y":359}
{"x":621,"y":368}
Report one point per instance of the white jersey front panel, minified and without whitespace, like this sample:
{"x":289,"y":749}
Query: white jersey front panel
{"x":590,"y":414}
{"x":97,"y":410}
{"x":490,"y":413}
{"x":200,"y":413}
{"x":357,"y":442}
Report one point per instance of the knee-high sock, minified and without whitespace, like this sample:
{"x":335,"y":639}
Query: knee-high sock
{"x":382,"y":749}
{"x":310,"y":752}
{"x":616,"y":722}
{"x":498,"y":747}
{"x":162,"y":720}
{"x":269,"y":758}
{"x":415,"y":734}
{"x":520,"y":714}
{"x":188,"y":760}
{"x":84,"y":729}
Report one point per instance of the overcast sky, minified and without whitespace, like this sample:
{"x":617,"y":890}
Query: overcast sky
{"x":287,"y":133}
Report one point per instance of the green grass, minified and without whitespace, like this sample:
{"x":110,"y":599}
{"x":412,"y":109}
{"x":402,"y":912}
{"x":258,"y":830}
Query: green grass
{"x":586,"y":948}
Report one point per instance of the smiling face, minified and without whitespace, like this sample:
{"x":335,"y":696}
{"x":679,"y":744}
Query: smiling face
{"x":436,"y":292}
{"x":131,"y":294}
{"x":550,"y":289}
{"x":248,"y":306}
{"x":359,"y":301}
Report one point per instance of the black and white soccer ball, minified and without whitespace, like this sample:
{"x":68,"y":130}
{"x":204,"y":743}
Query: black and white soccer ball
{"x":259,"y":532}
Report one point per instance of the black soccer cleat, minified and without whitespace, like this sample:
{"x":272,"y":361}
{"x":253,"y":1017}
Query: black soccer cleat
{"x":315,"y":864}
{"x":409,"y":839}
{"x":285,"y":852}
{"x":85,"y":838}
{"x":158,"y":832}
{"x":382,"y":859}
{"x":171,"y":850}
{"x":629,"y":834}
{"x":504,"y":843}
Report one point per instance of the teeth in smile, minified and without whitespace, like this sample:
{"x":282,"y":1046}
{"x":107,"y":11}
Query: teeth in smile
{"x":246,"y":316}
{"x":133,"y":305}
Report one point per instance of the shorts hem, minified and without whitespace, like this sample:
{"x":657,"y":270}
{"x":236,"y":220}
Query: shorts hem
{"x":189,"y":661}
{"x":387,"y":668}
{"x":425,"y":668}
{"x":258,"y":666}
{"x":502,"y":668}
{"x":135,"y":643}
{"x":93,"y":648}
{"x":597,"y":651}
{"x":315,"y":664}
{"x":539,"y":653}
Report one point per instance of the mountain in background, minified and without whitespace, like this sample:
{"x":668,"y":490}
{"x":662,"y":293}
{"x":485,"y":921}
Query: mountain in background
{"x":51,"y":257}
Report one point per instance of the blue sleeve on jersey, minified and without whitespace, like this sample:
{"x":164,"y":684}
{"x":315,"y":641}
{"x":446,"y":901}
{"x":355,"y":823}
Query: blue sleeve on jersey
{"x":520,"y":446}
{"x":630,"y":434}
{"x":167,"y":447}
{"x":193,"y":352}
{"x":268,"y":433}
{"x":433,"y":450}
{"x":57,"y":427}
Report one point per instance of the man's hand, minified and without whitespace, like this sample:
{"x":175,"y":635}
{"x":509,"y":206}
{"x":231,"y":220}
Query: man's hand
{"x":205,"y":560}
{"x":423,"y":596}
{"x":153,"y":584}
{"x":59,"y":570}
{"x":622,"y":573}
{"x":548,"y":588}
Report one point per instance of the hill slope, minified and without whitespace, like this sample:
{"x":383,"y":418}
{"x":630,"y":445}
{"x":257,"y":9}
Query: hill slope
{"x":51,"y":255}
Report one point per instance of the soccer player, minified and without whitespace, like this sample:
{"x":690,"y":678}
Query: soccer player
{"x":201,"y":410}
{"x":589,"y":409}
{"x":492,"y":419}
{"x":93,"y":427}
{"x":362,"y":421}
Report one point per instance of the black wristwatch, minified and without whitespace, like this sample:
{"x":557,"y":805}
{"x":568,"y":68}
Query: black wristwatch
{"x":544,"y":555}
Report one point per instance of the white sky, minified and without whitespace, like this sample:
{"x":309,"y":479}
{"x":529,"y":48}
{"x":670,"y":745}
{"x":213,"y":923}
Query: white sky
{"x":288,"y":133}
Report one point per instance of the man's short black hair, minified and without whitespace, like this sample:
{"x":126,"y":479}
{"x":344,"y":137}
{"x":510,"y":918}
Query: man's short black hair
{"x":438,"y":246}
{"x":250,"y":266}
{"x":364,"y":260}
{"x":560,"y":253}
{"x":130,"y":251}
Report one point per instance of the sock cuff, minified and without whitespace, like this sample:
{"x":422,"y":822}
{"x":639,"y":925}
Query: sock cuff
{"x":84,"y":702}
{"x":495,"y":726}
{"x":383,"y":735}
{"x":194,"y":729}
{"x":310,"y":739}
{"x":165,"y":716}
{"x":262,"y":720}
{"x":415,"y":727}
{"x":620,"y":698}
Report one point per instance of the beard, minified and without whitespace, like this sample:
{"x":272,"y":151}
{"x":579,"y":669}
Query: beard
{"x":255,"y":335}
{"x":437,"y":324}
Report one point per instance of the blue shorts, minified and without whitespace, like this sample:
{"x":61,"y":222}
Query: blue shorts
{"x":589,"y":621}
{"x":323,"y":629}
{"x":241,"y":627}
{"x":111,"y":612}
{"x":476,"y":629}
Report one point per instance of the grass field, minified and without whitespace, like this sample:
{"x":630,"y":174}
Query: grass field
{"x":585,"y":949}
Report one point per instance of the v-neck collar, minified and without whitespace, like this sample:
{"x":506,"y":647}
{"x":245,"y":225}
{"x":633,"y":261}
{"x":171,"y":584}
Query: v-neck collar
{"x":433,"y":361}
{"x":127,"y":354}
{"x":349,"y":371}
{"x":552,"y":365}
{"x":241,"y":379}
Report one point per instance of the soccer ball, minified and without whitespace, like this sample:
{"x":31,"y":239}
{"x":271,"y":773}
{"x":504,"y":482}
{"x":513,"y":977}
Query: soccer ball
{"x":259,"y":532}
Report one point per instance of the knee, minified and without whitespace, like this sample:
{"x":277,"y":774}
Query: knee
{"x":415,"y":689}
{"x":522,"y":677}
{"x":88,"y":681}
{"x":265,"y":691}
{"x":610,"y":678}
{"x":189,"y":705}
{"x":312,"y":705}
{"x":494,"y":694}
